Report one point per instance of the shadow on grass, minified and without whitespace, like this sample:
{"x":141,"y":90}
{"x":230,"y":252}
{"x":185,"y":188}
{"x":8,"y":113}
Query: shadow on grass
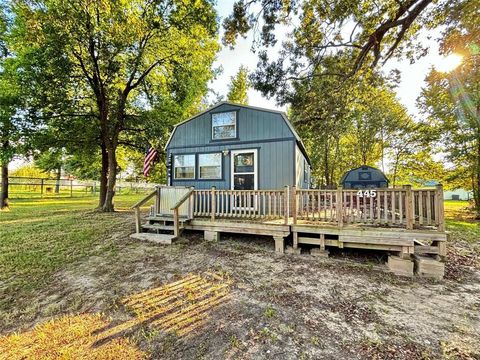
{"x":178,"y":308}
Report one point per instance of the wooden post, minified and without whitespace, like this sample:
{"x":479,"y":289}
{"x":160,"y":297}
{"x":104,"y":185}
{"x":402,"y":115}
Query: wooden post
{"x":94,"y":187}
{"x":214,"y":204}
{"x":157,"y":200}
{"x":41,"y":187}
{"x":176,"y":225}
{"x":294,"y":204}
{"x":322,"y":242}
{"x":339,"y":207}
{"x":138,"y":224}
{"x":191,"y":204}
{"x":409,"y":206}
{"x":287,"y":204}
{"x":441,"y":211}
{"x":71,"y":188}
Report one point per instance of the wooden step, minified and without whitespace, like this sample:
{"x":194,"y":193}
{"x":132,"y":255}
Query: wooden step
{"x":163,"y":239}
{"x":165,"y":218}
{"x":159,"y":227}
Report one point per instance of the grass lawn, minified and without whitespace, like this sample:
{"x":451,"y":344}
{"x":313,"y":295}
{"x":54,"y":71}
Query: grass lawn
{"x":41,"y":236}
{"x":111,"y":297}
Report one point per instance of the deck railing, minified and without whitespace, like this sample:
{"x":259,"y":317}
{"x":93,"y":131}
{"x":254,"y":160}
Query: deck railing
{"x":242,"y":204}
{"x":391,"y":207}
{"x":400,"y":207}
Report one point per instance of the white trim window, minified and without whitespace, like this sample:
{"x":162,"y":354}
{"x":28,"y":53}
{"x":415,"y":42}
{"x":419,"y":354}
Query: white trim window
{"x":210,"y":166}
{"x":224,"y":125}
{"x":244,"y":170}
{"x":184,"y":166}
{"x":244,"y":175}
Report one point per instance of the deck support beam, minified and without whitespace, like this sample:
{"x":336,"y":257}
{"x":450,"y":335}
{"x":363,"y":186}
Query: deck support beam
{"x":295,"y":240}
{"x":279,"y":244}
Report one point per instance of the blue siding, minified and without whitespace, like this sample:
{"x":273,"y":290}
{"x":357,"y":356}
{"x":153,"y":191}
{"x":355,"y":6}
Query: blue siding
{"x":253,"y":125}
{"x":256,"y":129}
{"x":275,"y":164}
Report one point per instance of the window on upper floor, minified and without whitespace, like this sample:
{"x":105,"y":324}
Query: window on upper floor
{"x":224,"y":125}
{"x":210,"y":166}
{"x":184,"y":166}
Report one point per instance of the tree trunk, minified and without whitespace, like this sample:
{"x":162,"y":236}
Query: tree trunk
{"x":4,"y":192}
{"x":103,"y":177}
{"x":112,"y":177}
{"x":57,"y":182}
{"x":476,"y":187}
{"x":326,"y":174}
{"x":395,"y":169}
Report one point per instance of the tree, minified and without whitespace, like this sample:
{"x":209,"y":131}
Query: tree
{"x":237,"y":90}
{"x":345,"y":125}
{"x":9,"y":134}
{"x":409,"y":149}
{"x":370,"y":32}
{"x":452,"y":100}
{"x":52,"y":160}
{"x":321,"y":113}
{"x":10,"y":129}
{"x":114,"y":62}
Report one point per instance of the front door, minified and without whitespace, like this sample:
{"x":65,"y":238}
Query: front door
{"x":244,"y":176}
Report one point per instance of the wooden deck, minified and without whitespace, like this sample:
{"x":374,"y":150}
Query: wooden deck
{"x":401,"y":221}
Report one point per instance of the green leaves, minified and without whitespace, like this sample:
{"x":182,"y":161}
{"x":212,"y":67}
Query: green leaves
{"x":113,"y":72}
{"x":350,"y":123}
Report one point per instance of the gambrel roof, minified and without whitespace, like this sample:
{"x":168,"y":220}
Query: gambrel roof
{"x":281,"y":113}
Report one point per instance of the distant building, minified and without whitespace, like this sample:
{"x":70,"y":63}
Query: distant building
{"x":364,"y":177}
{"x":458,"y":194}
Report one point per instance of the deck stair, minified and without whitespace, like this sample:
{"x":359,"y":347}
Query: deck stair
{"x":160,"y":224}
{"x":167,"y":217}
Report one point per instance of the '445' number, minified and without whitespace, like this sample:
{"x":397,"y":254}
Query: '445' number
{"x":367,"y":193}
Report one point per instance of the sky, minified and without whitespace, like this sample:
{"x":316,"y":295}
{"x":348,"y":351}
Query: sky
{"x":412,"y":75}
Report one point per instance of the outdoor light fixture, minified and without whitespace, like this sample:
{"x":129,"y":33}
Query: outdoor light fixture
{"x":225,"y":152}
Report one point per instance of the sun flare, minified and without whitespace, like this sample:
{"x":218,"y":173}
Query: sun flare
{"x":448,"y":63}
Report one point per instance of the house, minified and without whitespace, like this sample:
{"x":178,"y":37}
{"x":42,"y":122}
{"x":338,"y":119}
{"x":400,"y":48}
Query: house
{"x":237,"y":147}
{"x":364,"y":177}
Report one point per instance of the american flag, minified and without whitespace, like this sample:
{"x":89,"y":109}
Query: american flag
{"x":150,"y":157}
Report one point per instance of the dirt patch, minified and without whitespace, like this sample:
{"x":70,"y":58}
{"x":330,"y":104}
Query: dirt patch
{"x":278,"y":307}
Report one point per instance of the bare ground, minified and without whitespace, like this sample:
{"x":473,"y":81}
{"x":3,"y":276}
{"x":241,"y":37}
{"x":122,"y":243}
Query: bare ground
{"x":278,"y":307}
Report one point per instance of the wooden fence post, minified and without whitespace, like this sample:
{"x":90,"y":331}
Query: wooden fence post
{"x":441,"y":211}
{"x":41,"y":187}
{"x":71,"y":188}
{"x":287,"y":204}
{"x":213,"y":204}
{"x":409,"y":206}
{"x":294,"y":204}
{"x":339,"y":206}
